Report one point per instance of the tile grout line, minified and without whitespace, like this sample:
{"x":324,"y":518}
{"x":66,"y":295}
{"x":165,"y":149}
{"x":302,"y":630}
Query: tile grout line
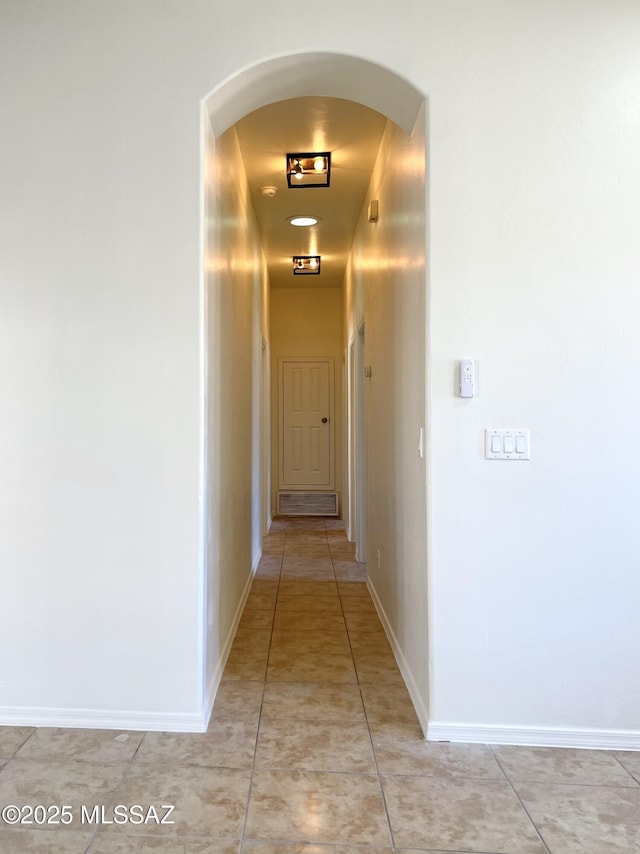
{"x":377,"y":769}
{"x":376,"y":773}
{"x":622,"y":765}
{"x":340,"y":599}
{"x":264,"y":686}
{"x":118,"y":787}
{"x":364,"y":709}
{"x":520,"y":801}
{"x":366,"y":717}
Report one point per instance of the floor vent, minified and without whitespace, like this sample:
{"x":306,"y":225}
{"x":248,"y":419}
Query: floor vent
{"x":307,"y":504}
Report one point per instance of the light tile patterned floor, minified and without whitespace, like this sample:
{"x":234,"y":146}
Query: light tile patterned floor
{"x":314,"y":748}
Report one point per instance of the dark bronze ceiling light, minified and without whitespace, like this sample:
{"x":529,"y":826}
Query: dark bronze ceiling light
{"x":309,"y":169}
{"x":306,"y":265}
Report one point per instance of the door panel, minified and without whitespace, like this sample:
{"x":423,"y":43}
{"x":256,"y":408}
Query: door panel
{"x":306,"y":437}
{"x":296,"y":442}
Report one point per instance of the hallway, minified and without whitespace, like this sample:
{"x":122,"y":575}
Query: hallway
{"x":314,"y":748}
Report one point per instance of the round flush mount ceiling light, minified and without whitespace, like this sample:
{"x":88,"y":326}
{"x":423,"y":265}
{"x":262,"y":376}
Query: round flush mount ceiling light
{"x":303,"y":220}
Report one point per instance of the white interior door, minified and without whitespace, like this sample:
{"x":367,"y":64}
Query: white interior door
{"x":306,"y":428}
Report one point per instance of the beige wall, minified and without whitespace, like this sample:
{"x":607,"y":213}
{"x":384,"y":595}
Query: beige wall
{"x":236,"y":294}
{"x":534,"y":263}
{"x":306,"y":322}
{"x":385,"y":287}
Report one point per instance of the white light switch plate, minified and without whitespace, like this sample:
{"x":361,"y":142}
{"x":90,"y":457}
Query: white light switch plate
{"x":507,"y":444}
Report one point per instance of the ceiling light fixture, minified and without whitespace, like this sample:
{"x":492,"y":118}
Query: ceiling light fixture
{"x":303,"y":220}
{"x":306,"y":265}
{"x":308,"y":169}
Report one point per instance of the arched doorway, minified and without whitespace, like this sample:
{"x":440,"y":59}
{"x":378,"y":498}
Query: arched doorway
{"x":386,"y":284}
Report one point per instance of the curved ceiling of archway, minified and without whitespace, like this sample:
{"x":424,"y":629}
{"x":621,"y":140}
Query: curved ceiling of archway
{"x":352,"y":133}
{"x":311,"y":102}
{"x":323,"y":74}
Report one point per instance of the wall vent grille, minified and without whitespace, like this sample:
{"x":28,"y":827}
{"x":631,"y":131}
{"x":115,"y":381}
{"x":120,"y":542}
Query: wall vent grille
{"x":307,"y":504}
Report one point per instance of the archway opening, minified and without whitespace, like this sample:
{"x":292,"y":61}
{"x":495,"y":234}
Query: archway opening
{"x":385,"y":286}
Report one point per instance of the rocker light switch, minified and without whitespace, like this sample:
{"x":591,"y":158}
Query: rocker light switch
{"x":511,"y":444}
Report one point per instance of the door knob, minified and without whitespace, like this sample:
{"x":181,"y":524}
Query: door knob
{"x":324,"y":420}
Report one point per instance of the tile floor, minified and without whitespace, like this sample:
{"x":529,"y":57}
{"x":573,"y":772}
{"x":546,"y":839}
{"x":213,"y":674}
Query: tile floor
{"x":314,"y":748}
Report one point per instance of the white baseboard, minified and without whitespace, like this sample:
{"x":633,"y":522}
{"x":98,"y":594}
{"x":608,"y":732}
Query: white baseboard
{"x":214,"y":682}
{"x":139,"y":721}
{"x":589,"y":739}
{"x":410,"y":682}
{"x":100,"y":719}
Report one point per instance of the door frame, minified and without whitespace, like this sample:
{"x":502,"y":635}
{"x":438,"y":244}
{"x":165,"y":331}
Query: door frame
{"x":359,"y":436}
{"x":265,"y":438}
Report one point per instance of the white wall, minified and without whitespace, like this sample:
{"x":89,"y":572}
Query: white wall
{"x":534,"y":129}
{"x":306,"y":323}
{"x":236,"y":295}
{"x":535,"y":266}
{"x":385,"y":288}
{"x":99,"y":370}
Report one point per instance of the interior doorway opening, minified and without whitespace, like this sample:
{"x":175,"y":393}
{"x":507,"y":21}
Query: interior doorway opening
{"x":384,"y":285}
